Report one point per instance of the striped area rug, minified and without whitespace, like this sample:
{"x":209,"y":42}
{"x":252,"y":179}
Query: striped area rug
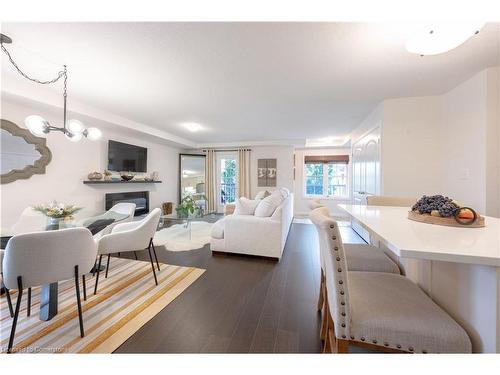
{"x":125,"y":301}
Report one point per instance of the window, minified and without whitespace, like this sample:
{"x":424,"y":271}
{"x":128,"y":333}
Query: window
{"x":326,"y":176}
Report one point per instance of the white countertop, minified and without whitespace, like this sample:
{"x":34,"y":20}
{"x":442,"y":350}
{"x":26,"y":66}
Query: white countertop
{"x":411,"y":239}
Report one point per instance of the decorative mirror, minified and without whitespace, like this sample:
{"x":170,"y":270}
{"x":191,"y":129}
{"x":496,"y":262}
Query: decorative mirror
{"x":22,"y":154}
{"x":191,"y":176}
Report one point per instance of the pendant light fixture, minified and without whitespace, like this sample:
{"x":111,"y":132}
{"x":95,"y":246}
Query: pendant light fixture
{"x":74,"y":130}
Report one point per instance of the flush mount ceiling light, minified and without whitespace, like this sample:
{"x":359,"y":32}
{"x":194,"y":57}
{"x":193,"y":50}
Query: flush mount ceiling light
{"x":74,"y":130}
{"x":436,"y":39}
{"x":192,"y":126}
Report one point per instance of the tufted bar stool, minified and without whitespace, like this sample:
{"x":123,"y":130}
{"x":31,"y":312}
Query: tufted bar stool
{"x":380,"y":311}
{"x":360,"y":257}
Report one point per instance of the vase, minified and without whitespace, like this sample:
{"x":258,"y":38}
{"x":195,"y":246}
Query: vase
{"x":54,"y":223}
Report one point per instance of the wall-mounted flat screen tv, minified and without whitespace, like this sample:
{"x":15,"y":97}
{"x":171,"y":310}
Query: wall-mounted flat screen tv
{"x":123,"y":157}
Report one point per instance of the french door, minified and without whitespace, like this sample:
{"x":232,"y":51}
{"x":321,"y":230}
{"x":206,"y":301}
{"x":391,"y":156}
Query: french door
{"x":227,"y":178}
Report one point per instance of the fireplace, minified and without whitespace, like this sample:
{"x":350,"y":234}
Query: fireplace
{"x":140,"y":198}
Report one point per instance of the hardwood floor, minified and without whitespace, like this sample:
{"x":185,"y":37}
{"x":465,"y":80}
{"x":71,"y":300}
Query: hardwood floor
{"x":242,"y":304}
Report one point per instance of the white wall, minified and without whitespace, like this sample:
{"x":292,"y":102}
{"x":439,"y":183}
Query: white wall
{"x":284,"y":164}
{"x":301,"y":207}
{"x":70,"y":165}
{"x":410,"y":147}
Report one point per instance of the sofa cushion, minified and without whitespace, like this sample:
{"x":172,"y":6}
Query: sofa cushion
{"x":268,"y":205}
{"x":262,"y":194}
{"x":245,"y":206}
{"x":218,"y":230}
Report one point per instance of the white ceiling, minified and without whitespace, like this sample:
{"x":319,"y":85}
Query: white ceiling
{"x":244,"y":82}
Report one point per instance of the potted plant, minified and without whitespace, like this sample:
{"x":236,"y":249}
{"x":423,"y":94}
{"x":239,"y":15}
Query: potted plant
{"x":107,"y":175}
{"x":57,"y":213}
{"x":188,"y":207}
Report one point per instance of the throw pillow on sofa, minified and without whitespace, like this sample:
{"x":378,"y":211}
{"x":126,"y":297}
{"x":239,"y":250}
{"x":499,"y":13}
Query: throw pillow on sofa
{"x":245,"y":206}
{"x":267,"y":205}
{"x":262,"y":194}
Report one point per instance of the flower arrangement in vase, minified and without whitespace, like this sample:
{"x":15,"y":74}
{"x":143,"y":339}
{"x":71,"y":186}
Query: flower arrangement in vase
{"x":57,"y":213}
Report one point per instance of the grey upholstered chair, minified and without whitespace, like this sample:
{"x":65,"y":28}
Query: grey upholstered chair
{"x":132,"y":236}
{"x":360,"y":257}
{"x":33,"y":259}
{"x":381,"y":311}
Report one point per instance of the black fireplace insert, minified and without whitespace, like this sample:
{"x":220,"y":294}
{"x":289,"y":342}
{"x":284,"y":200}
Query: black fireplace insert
{"x":140,"y":198}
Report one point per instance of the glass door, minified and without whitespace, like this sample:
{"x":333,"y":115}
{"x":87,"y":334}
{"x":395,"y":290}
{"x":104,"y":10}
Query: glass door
{"x":227,"y":179}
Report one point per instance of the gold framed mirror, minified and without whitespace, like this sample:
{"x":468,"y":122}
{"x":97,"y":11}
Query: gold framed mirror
{"x":22,"y":154}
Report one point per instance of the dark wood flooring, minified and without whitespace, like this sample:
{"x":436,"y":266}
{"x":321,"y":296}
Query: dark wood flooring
{"x":242,"y":304}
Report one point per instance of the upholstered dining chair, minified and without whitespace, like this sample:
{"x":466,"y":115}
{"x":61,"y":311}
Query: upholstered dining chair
{"x":360,"y":257}
{"x":29,"y":221}
{"x":33,"y":259}
{"x":380,"y":311}
{"x":122,"y":212}
{"x":130,"y":237}
{"x":7,"y":293}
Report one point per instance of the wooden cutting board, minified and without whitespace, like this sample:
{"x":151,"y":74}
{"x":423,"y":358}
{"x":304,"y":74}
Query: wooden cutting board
{"x":448,"y":221}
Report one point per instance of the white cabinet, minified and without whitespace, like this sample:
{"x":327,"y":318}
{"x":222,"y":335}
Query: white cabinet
{"x":366,"y":180}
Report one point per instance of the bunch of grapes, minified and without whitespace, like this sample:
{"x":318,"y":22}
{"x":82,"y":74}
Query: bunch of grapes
{"x":444,"y":205}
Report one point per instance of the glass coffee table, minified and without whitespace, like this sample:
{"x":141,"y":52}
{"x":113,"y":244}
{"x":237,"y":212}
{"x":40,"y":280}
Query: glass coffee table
{"x":174,"y":218}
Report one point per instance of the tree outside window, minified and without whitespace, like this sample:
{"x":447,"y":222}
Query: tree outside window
{"x":326,"y":179}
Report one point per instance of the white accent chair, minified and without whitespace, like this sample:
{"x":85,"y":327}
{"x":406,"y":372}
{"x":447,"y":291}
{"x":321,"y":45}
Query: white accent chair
{"x":380,"y":311}
{"x":125,"y":210}
{"x":130,"y":237}
{"x":38,"y":258}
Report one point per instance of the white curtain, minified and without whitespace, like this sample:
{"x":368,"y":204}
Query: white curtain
{"x":210,"y":177}
{"x":244,"y":173}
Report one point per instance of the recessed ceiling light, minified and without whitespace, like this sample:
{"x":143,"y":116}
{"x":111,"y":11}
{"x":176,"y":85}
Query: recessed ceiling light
{"x":192,"y":126}
{"x":436,"y":39}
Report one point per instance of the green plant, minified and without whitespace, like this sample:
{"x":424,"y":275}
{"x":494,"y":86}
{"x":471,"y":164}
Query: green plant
{"x":57,"y":210}
{"x":188,"y":206}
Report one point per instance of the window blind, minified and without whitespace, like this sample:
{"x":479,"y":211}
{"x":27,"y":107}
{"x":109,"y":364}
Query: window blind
{"x":326,"y":159}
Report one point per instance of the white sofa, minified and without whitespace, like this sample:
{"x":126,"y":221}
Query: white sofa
{"x":252,"y":235}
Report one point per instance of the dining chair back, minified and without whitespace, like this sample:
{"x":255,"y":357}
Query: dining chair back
{"x":130,"y":237}
{"x":124,"y":208}
{"x":335,"y":264}
{"x":37,"y":258}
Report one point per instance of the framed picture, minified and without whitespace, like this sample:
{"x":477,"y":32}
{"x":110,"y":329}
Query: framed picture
{"x":266,"y":173}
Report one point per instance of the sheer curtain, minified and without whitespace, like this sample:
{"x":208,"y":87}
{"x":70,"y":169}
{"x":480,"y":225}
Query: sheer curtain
{"x":210,"y":176}
{"x":244,"y":173}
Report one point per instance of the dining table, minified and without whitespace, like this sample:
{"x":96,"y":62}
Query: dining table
{"x":457,"y":266}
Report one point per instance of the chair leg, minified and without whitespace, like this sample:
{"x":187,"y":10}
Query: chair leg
{"x":28,"y":310}
{"x":9,"y":302}
{"x":97,"y":276}
{"x":79,"y":302}
{"x":152,"y":265}
{"x":119,"y":255}
{"x":84,"y":282}
{"x":135,"y":254}
{"x":321,"y":298}
{"x":107,"y":266}
{"x":94,"y":268}
{"x":16,"y":313}
{"x":154,"y":252}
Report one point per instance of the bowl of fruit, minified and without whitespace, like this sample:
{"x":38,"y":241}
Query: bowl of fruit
{"x":441,"y":210}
